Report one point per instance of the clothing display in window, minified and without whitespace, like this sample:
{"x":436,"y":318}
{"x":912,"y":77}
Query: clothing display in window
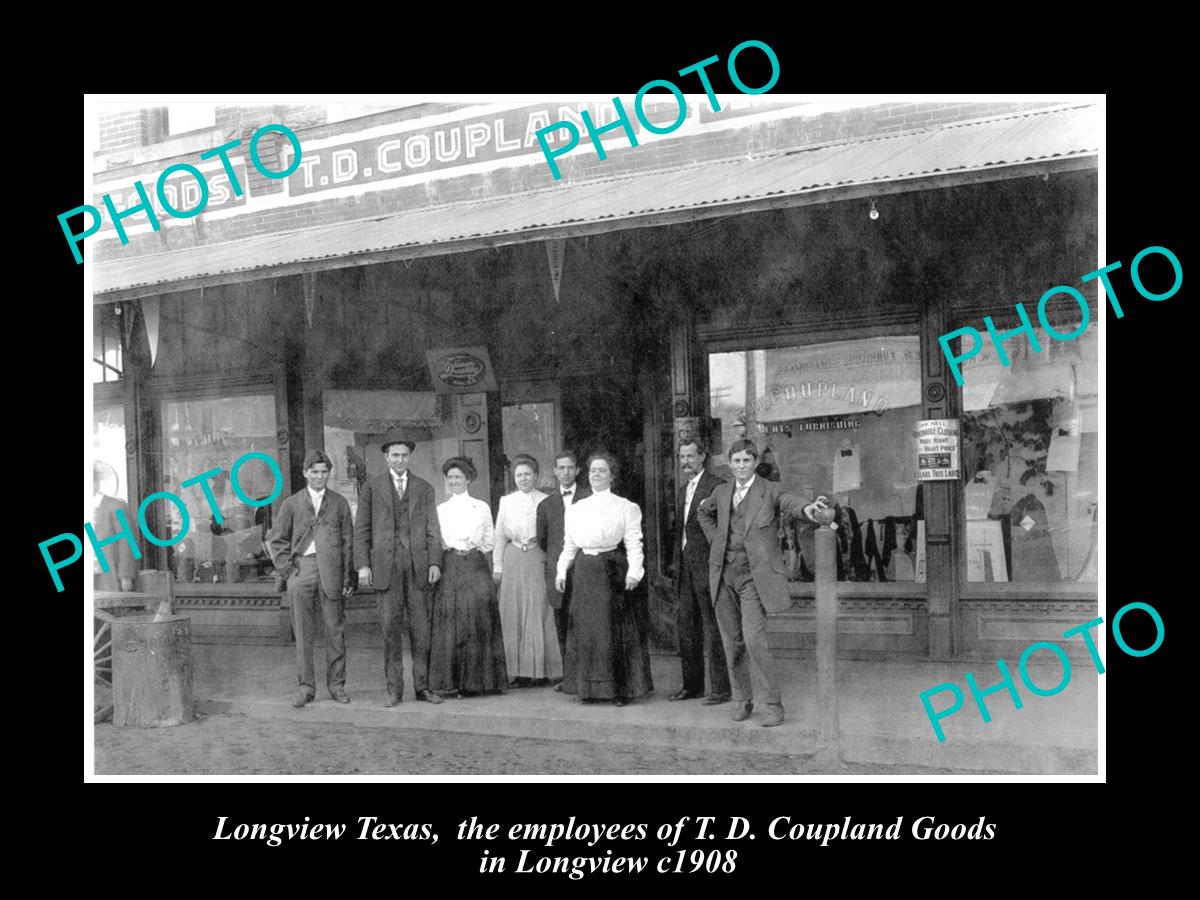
{"x":1033,"y":557}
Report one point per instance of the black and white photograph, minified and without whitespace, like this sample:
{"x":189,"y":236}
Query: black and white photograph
{"x":698,"y":431}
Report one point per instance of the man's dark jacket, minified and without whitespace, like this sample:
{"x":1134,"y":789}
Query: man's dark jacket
{"x":375,"y":529}
{"x":695,"y":555}
{"x":332,"y":528}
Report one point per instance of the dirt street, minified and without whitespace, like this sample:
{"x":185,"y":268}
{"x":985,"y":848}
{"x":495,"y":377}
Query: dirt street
{"x":244,"y":745}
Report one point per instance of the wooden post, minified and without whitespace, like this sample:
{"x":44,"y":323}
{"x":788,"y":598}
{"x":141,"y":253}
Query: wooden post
{"x":828,"y":748}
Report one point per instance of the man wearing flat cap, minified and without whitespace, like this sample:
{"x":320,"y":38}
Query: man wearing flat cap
{"x":312,"y":542}
{"x":397,"y":548}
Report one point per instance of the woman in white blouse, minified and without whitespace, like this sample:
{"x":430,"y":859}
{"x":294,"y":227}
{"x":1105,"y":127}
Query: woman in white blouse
{"x":607,"y":654}
{"x":530,"y":638}
{"x":467,"y":652}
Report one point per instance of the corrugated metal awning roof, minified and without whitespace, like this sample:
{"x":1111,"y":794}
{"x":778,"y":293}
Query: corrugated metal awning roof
{"x":980,"y":150}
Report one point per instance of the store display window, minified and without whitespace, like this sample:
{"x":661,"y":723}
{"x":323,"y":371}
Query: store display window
{"x":199,"y":435}
{"x":837,"y":419}
{"x":1030,"y":458}
{"x":108,"y":449}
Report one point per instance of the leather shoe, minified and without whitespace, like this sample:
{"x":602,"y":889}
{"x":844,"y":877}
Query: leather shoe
{"x":558,"y":687}
{"x":394,"y":700}
{"x":683,"y":694}
{"x":303,"y":698}
{"x":620,"y":701}
{"x":339,"y":695}
{"x":716,"y":699}
{"x":774,"y":715}
{"x":742,"y":713}
{"x":428,"y":697}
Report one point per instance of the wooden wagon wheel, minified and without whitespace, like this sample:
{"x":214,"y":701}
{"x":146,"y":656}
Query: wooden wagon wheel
{"x":102,"y":660}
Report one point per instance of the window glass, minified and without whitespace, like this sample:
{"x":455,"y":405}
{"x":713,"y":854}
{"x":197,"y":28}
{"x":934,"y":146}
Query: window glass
{"x":200,"y":435}
{"x":530,"y":428}
{"x":1030,"y":457}
{"x":108,"y":449}
{"x":185,"y":117}
{"x":106,"y":344}
{"x":837,"y":419}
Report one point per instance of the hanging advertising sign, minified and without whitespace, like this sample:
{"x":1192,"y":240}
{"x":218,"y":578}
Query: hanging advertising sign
{"x":937,"y":450}
{"x":845,"y":378}
{"x":459,"y":370}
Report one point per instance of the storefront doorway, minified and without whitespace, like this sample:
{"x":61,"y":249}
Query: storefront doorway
{"x":532,"y":424}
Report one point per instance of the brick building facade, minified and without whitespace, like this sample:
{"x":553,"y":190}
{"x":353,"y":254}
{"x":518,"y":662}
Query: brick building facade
{"x":696,"y":268}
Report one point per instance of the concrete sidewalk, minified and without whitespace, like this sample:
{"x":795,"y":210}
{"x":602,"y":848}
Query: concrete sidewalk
{"x":882,"y":719}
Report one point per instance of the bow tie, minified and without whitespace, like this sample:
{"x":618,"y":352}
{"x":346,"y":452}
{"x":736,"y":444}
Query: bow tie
{"x":568,"y":493}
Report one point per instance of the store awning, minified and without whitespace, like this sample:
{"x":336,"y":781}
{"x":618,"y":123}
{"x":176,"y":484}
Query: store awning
{"x":1036,"y":142}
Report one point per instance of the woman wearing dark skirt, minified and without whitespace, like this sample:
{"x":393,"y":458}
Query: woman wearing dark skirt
{"x":607,"y":654}
{"x":467,"y":652}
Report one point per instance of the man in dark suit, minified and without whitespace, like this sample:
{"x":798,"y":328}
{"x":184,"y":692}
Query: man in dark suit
{"x":106,"y":523}
{"x":311,"y":542}
{"x":397,"y":545}
{"x":694,"y":613}
{"x":747,"y":575}
{"x":551,"y":514}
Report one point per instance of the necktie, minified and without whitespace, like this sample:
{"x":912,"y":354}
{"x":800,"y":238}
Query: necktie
{"x":399,"y":484}
{"x":687,"y":509}
{"x":738,"y":496}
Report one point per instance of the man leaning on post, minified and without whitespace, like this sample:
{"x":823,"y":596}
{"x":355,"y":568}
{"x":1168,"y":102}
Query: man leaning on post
{"x":397,"y":545}
{"x":312,"y":543}
{"x":747,"y":576}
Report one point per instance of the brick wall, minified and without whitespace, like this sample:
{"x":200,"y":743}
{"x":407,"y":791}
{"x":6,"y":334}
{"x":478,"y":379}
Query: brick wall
{"x":129,"y":128}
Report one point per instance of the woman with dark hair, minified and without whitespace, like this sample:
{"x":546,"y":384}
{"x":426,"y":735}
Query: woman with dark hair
{"x":467,"y":652}
{"x":530,"y":638}
{"x":607,"y":654}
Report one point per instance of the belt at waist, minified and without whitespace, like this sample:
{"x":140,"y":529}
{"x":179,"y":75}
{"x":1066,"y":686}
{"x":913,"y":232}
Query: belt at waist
{"x":597,"y":551}
{"x":306,"y":560}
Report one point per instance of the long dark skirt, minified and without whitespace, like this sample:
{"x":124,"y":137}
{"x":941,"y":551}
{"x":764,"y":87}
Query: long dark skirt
{"x":467,"y":652}
{"x":607,"y":653}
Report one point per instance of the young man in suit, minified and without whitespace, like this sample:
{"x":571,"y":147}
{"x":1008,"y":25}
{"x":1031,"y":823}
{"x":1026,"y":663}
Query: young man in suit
{"x":106,"y":523}
{"x":397,"y":548}
{"x":551,"y":513}
{"x":312,"y":541}
{"x":747,"y":576}
{"x":694,"y":613}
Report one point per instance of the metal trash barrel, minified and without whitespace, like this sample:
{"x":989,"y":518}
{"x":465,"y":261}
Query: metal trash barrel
{"x":152,"y":670}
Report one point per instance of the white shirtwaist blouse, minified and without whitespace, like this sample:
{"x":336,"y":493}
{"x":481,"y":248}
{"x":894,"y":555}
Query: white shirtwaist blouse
{"x":516,"y":523}
{"x":466,"y":523}
{"x":599,"y":523}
